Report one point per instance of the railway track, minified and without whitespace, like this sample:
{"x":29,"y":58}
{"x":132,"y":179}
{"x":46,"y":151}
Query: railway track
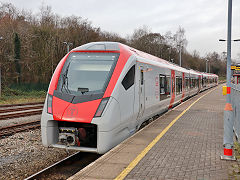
{"x":22,"y":104}
{"x":20,"y":110}
{"x":66,"y":167}
{"x":10,"y":130}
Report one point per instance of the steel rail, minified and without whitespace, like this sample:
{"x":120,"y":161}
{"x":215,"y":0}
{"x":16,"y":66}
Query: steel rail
{"x":9,"y":130}
{"x":67,"y":167}
{"x":20,"y":114}
{"x":22,"y":104}
{"x":20,"y":109}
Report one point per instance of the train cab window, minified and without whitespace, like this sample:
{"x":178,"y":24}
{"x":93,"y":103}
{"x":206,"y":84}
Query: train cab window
{"x":128,"y":80}
{"x":178,"y":85}
{"x":86,"y":73}
{"x":164,"y":87}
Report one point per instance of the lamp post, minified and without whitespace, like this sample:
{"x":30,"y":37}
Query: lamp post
{"x":228,"y":110}
{"x":180,"y":54}
{"x":206,"y":65}
{"x":209,"y":66}
{"x":169,"y":53}
{"x":68,"y":45}
{"x":224,"y":54}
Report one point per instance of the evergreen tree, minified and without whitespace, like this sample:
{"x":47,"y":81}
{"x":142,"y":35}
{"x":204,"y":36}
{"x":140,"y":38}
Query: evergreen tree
{"x":17,"y":49}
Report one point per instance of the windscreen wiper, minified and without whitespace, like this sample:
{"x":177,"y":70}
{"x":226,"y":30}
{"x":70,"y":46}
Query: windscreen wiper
{"x":65,"y":80}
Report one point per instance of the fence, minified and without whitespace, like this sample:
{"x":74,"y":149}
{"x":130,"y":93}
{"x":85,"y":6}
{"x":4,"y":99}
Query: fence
{"x":236,"y":108}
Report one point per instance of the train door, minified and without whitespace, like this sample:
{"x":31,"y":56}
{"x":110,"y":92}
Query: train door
{"x":172,"y":89}
{"x":141,"y":92}
{"x":199,"y":84}
{"x":183,"y":86}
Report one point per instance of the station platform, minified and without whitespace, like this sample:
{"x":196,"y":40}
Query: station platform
{"x":184,"y":143}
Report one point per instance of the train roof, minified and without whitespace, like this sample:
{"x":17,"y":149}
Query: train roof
{"x":100,"y":46}
{"x":145,"y":57}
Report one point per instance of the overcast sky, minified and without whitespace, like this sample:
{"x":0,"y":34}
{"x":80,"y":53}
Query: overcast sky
{"x":205,"y":21}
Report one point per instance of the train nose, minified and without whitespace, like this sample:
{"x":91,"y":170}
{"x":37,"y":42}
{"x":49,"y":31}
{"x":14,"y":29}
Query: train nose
{"x":81,"y":112}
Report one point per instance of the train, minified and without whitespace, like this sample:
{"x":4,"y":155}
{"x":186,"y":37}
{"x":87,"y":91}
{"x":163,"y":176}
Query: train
{"x":102,"y":92}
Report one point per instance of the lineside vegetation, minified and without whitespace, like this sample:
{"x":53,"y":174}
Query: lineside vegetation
{"x":32,"y":44}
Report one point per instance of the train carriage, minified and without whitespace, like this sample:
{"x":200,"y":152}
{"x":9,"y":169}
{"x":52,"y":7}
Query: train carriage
{"x":102,"y":92}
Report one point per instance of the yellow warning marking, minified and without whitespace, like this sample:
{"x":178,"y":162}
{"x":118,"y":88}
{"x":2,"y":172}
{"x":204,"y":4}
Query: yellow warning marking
{"x":128,"y":169}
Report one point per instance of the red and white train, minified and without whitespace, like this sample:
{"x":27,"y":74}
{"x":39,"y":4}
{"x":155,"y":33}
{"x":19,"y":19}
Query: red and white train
{"x":102,"y":92}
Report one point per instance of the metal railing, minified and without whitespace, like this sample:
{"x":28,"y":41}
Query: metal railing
{"x":235,"y":101}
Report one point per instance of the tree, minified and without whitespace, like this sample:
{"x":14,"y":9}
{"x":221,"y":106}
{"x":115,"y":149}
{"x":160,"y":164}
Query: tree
{"x":17,"y":51}
{"x":180,"y":38}
{"x":34,"y":43}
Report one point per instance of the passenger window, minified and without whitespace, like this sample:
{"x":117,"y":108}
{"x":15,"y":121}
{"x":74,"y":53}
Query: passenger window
{"x":128,"y":80}
{"x":164,"y":87}
{"x":194,"y":83}
{"x":178,"y":85}
{"x":191,"y":83}
{"x":186,"y":83}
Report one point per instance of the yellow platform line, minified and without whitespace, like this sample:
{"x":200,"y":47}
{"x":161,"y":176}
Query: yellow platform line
{"x":128,"y":169}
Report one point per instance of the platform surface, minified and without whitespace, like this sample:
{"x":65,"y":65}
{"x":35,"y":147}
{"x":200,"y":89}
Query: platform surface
{"x":189,"y":149}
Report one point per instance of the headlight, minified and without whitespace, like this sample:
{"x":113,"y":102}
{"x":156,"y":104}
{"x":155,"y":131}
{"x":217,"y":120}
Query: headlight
{"x":101,"y":107}
{"x":49,"y":104}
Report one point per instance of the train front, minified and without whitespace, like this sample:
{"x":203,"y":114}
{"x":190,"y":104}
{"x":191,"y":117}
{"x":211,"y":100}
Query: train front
{"x":79,"y":91}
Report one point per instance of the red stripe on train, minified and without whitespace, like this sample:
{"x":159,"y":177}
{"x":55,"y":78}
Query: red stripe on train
{"x":56,"y":75}
{"x":122,"y":60}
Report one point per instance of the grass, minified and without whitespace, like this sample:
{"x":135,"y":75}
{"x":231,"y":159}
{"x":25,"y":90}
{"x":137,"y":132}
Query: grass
{"x":234,"y":169}
{"x":15,"y":96}
{"x":222,"y":78}
{"x":237,"y":149}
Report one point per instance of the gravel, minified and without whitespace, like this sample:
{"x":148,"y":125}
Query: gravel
{"x":23,"y":155}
